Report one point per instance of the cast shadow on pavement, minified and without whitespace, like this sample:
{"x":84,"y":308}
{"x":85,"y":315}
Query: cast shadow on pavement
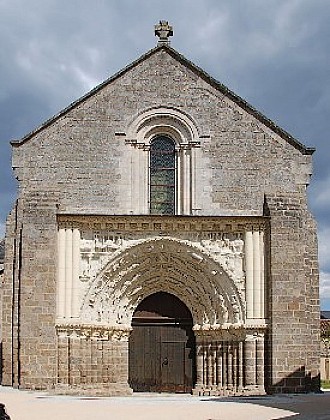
{"x":309,"y":406}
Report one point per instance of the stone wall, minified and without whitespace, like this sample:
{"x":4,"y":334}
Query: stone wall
{"x":86,"y":153}
{"x":92,"y":360}
{"x":9,"y":344}
{"x":29,"y":293}
{"x":293,"y":295}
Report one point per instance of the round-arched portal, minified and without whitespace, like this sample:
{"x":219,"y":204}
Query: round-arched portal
{"x":170,"y":266}
{"x":162,"y":346}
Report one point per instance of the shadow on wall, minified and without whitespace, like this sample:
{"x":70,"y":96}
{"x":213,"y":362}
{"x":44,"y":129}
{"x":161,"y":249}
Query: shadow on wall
{"x":297,"y":382}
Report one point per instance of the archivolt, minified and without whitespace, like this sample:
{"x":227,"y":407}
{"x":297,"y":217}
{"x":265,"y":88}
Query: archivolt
{"x":174,"y":122}
{"x":163,"y":265}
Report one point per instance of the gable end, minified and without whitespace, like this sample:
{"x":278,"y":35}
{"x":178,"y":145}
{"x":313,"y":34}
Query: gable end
{"x":197,"y":70}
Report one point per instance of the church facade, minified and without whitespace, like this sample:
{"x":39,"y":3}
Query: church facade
{"x":161,"y":241}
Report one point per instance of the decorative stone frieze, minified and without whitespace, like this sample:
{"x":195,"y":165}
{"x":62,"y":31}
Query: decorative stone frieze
{"x":99,"y":332}
{"x":162,"y":225}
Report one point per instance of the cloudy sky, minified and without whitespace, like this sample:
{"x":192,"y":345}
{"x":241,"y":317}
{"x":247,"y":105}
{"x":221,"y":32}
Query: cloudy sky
{"x":273,"y":53}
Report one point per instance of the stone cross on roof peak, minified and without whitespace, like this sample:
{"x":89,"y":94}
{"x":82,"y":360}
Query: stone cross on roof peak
{"x":163,"y":30}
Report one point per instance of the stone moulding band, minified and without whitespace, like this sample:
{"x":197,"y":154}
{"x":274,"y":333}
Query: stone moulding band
{"x":106,"y":332}
{"x":228,"y":332}
{"x":163,"y":223}
{"x":228,"y":327}
{"x":97,"y":332}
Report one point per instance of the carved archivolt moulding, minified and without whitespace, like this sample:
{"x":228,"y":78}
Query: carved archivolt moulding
{"x":163,"y":120}
{"x":163,"y":264}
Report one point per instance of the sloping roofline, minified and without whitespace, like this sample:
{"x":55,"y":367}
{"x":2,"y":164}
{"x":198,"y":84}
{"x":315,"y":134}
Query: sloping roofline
{"x":204,"y":75}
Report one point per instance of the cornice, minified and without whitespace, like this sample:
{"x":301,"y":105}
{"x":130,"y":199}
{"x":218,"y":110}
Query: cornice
{"x":163,"y":224}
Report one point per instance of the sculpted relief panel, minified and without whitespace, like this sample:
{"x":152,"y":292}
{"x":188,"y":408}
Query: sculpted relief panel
{"x":228,"y":251}
{"x":98,"y":248}
{"x":118,"y":270}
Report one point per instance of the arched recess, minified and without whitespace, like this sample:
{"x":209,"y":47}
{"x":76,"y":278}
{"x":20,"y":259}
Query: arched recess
{"x":163,"y":265}
{"x":183,"y":130}
{"x":162,"y":346}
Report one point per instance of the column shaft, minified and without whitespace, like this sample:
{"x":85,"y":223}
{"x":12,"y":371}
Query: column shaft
{"x":235,"y":364}
{"x":214,"y":361}
{"x":145,"y":188}
{"x":256,"y":275}
{"x":249,"y":273}
{"x":75,"y":272}
{"x":260,"y":361}
{"x":210,"y":365}
{"x":68,"y":272}
{"x":193,"y":172}
{"x":219,"y":366}
{"x":134,"y":177}
{"x":230,"y":365}
{"x":199,"y":362}
{"x":250,"y":362}
{"x":204,"y":364}
{"x":262,"y":274}
{"x":178,"y":181}
{"x":60,"y":302}
{"x":187,"y":183}
{"x":225,"y":364}
{"x":240,"y":364}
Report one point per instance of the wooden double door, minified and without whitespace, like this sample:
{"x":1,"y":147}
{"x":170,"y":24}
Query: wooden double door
{"x":162,"y":351}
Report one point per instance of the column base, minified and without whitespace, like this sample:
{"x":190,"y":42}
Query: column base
{"x":227,"y":392}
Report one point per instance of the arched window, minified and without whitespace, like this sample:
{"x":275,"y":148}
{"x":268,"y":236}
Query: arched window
{"x":164,"y":163}
{"x":162,"y":176}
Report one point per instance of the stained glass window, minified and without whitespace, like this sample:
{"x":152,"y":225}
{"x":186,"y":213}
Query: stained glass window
{"x":162,"y":176}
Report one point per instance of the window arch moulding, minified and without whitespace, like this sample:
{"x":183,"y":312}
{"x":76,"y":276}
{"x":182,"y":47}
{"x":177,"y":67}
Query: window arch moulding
{"x":184,"y":132}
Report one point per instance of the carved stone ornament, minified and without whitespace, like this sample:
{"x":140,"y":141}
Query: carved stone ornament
{"x":163,"y":30}
{"x":96,"y":332}
{"x":196,"y":274}
{"x":125,"y":259}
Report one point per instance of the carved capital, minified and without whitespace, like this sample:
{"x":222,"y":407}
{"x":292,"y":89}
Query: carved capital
{"x":94,"y":332}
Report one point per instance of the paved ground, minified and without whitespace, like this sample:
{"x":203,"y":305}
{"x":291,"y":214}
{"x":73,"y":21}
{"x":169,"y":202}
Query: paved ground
{"x":24,"y":405}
